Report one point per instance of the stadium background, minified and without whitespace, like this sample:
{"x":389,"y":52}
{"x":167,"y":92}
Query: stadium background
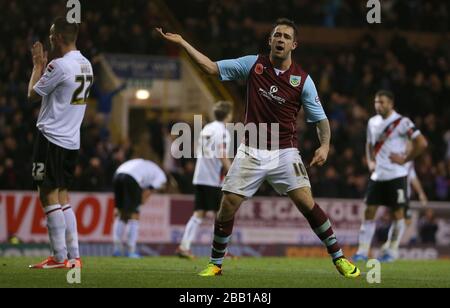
{"x":408,"y":53}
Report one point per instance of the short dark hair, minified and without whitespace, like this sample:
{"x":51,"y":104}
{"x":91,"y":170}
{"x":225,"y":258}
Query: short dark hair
{"x":222,"y":109}
{"x":285,"y":22}
{"x":69,"y":31}
{"x":387,"y":94}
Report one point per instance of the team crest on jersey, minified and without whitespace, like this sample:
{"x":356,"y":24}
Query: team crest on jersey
{"x":295,"y":80}
{"x":259,"y":69}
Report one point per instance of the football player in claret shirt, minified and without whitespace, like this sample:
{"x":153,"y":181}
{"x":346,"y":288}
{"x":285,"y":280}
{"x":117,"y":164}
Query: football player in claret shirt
{"x":277,"y":89}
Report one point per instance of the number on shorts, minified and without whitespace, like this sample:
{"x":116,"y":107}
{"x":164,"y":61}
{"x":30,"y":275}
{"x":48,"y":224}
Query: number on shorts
{"x":38,"y":171}
{"x":300,"y":169}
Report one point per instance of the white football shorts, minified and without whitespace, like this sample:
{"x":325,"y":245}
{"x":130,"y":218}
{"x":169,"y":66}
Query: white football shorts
{"x":283,"y":169}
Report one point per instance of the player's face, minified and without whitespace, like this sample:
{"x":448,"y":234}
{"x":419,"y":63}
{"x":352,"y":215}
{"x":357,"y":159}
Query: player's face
{"x":383,"y":105}
{"x":54,"y":39}
{"x":282,"y":42}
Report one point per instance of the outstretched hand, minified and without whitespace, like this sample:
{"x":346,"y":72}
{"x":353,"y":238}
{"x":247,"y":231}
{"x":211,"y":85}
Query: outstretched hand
{"x":172,"y":37}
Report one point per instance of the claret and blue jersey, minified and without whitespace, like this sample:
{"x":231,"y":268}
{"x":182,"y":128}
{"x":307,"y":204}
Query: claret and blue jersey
{"x":274,"y":97}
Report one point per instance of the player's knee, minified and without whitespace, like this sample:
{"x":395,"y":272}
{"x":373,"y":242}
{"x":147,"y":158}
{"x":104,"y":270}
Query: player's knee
{"x":63,"y":197}
{"x":399,"y":214}
{"x":302,"y":199}
{"x":124,"y":216}
{"x":48,"y":197}
{"x":369,"y":213}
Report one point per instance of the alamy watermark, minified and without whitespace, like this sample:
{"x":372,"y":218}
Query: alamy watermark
{"x":74,"y":276}
{"x":374,"y":274}
{"x":262,"y":141}
{"x":374,"y":14}
{"x":73,"y":15}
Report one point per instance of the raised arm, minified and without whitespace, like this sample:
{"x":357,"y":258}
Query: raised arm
{"x":39,"y":63}
{"x":205,"y":63}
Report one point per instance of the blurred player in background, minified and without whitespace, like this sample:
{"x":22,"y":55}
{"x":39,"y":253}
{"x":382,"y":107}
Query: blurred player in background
{"x":133,"y":183}
{"x":277,"y":88}
{"x":413,"y":184}
{"x":64,"y":88}
{"x":388,"y":134}
{"x":212,"y":164}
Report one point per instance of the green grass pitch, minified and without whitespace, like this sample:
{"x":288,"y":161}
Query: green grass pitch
{"x":165,"y":272}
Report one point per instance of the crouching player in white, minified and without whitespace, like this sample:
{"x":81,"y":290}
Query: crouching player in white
{"x":212,"y":165}
{"x":64,"y":87}
{"x":388,"y":134}
{"x":133,"y":184}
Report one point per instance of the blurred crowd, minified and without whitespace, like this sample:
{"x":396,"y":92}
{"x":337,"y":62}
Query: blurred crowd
{"x":123,"y":28}
{"x":346,"y":80}
{"x":227,"y":17}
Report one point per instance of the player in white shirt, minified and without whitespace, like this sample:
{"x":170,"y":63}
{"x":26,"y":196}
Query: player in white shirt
{"x":388,"y":134}
{"x":212,"y":165}
{"x":64,"y":86}
{"x":133,"y":184}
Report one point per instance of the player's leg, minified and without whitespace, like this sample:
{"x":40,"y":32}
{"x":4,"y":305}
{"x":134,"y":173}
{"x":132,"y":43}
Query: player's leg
{"x":376,"y":195}
{"x":189,"y":234}
{"x":317,"y":219}
{"x":223,"y":228}
{"x":396,"y":231}
{"x":119,"y":228}
{"x":366,"y":233}
{"x":321,"y":225}
{"x":200,"y":207}
{"x":132,"y":234}
{"x":244,"y":178}
{"x":289,"y":176}
{"x":133,"y":199}
{"x":56,"y":230}
{"x":398,"y":202}
{"x":73,"y":251}
{"x":119,"y":225}
{"x":47,"y":174}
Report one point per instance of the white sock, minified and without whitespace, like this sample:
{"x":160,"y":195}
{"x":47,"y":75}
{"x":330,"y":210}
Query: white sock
{"x":132,"y":235}
{"x":57,"y":231}
{"x":395,"y":236}
{"x":118,"y":232}
{"x":71,"y":232}
{"x":365,"y":237}
{"x":190,"y":232}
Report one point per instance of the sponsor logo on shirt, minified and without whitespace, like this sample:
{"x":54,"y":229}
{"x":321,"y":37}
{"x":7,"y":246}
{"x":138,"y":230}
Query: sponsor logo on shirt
{"x":271,"y":95}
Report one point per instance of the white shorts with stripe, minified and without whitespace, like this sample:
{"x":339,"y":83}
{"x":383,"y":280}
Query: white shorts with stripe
{"x":283,"y":169}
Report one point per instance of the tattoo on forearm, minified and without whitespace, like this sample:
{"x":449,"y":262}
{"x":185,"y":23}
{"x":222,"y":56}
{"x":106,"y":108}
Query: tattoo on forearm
{"x":324,"y":132}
